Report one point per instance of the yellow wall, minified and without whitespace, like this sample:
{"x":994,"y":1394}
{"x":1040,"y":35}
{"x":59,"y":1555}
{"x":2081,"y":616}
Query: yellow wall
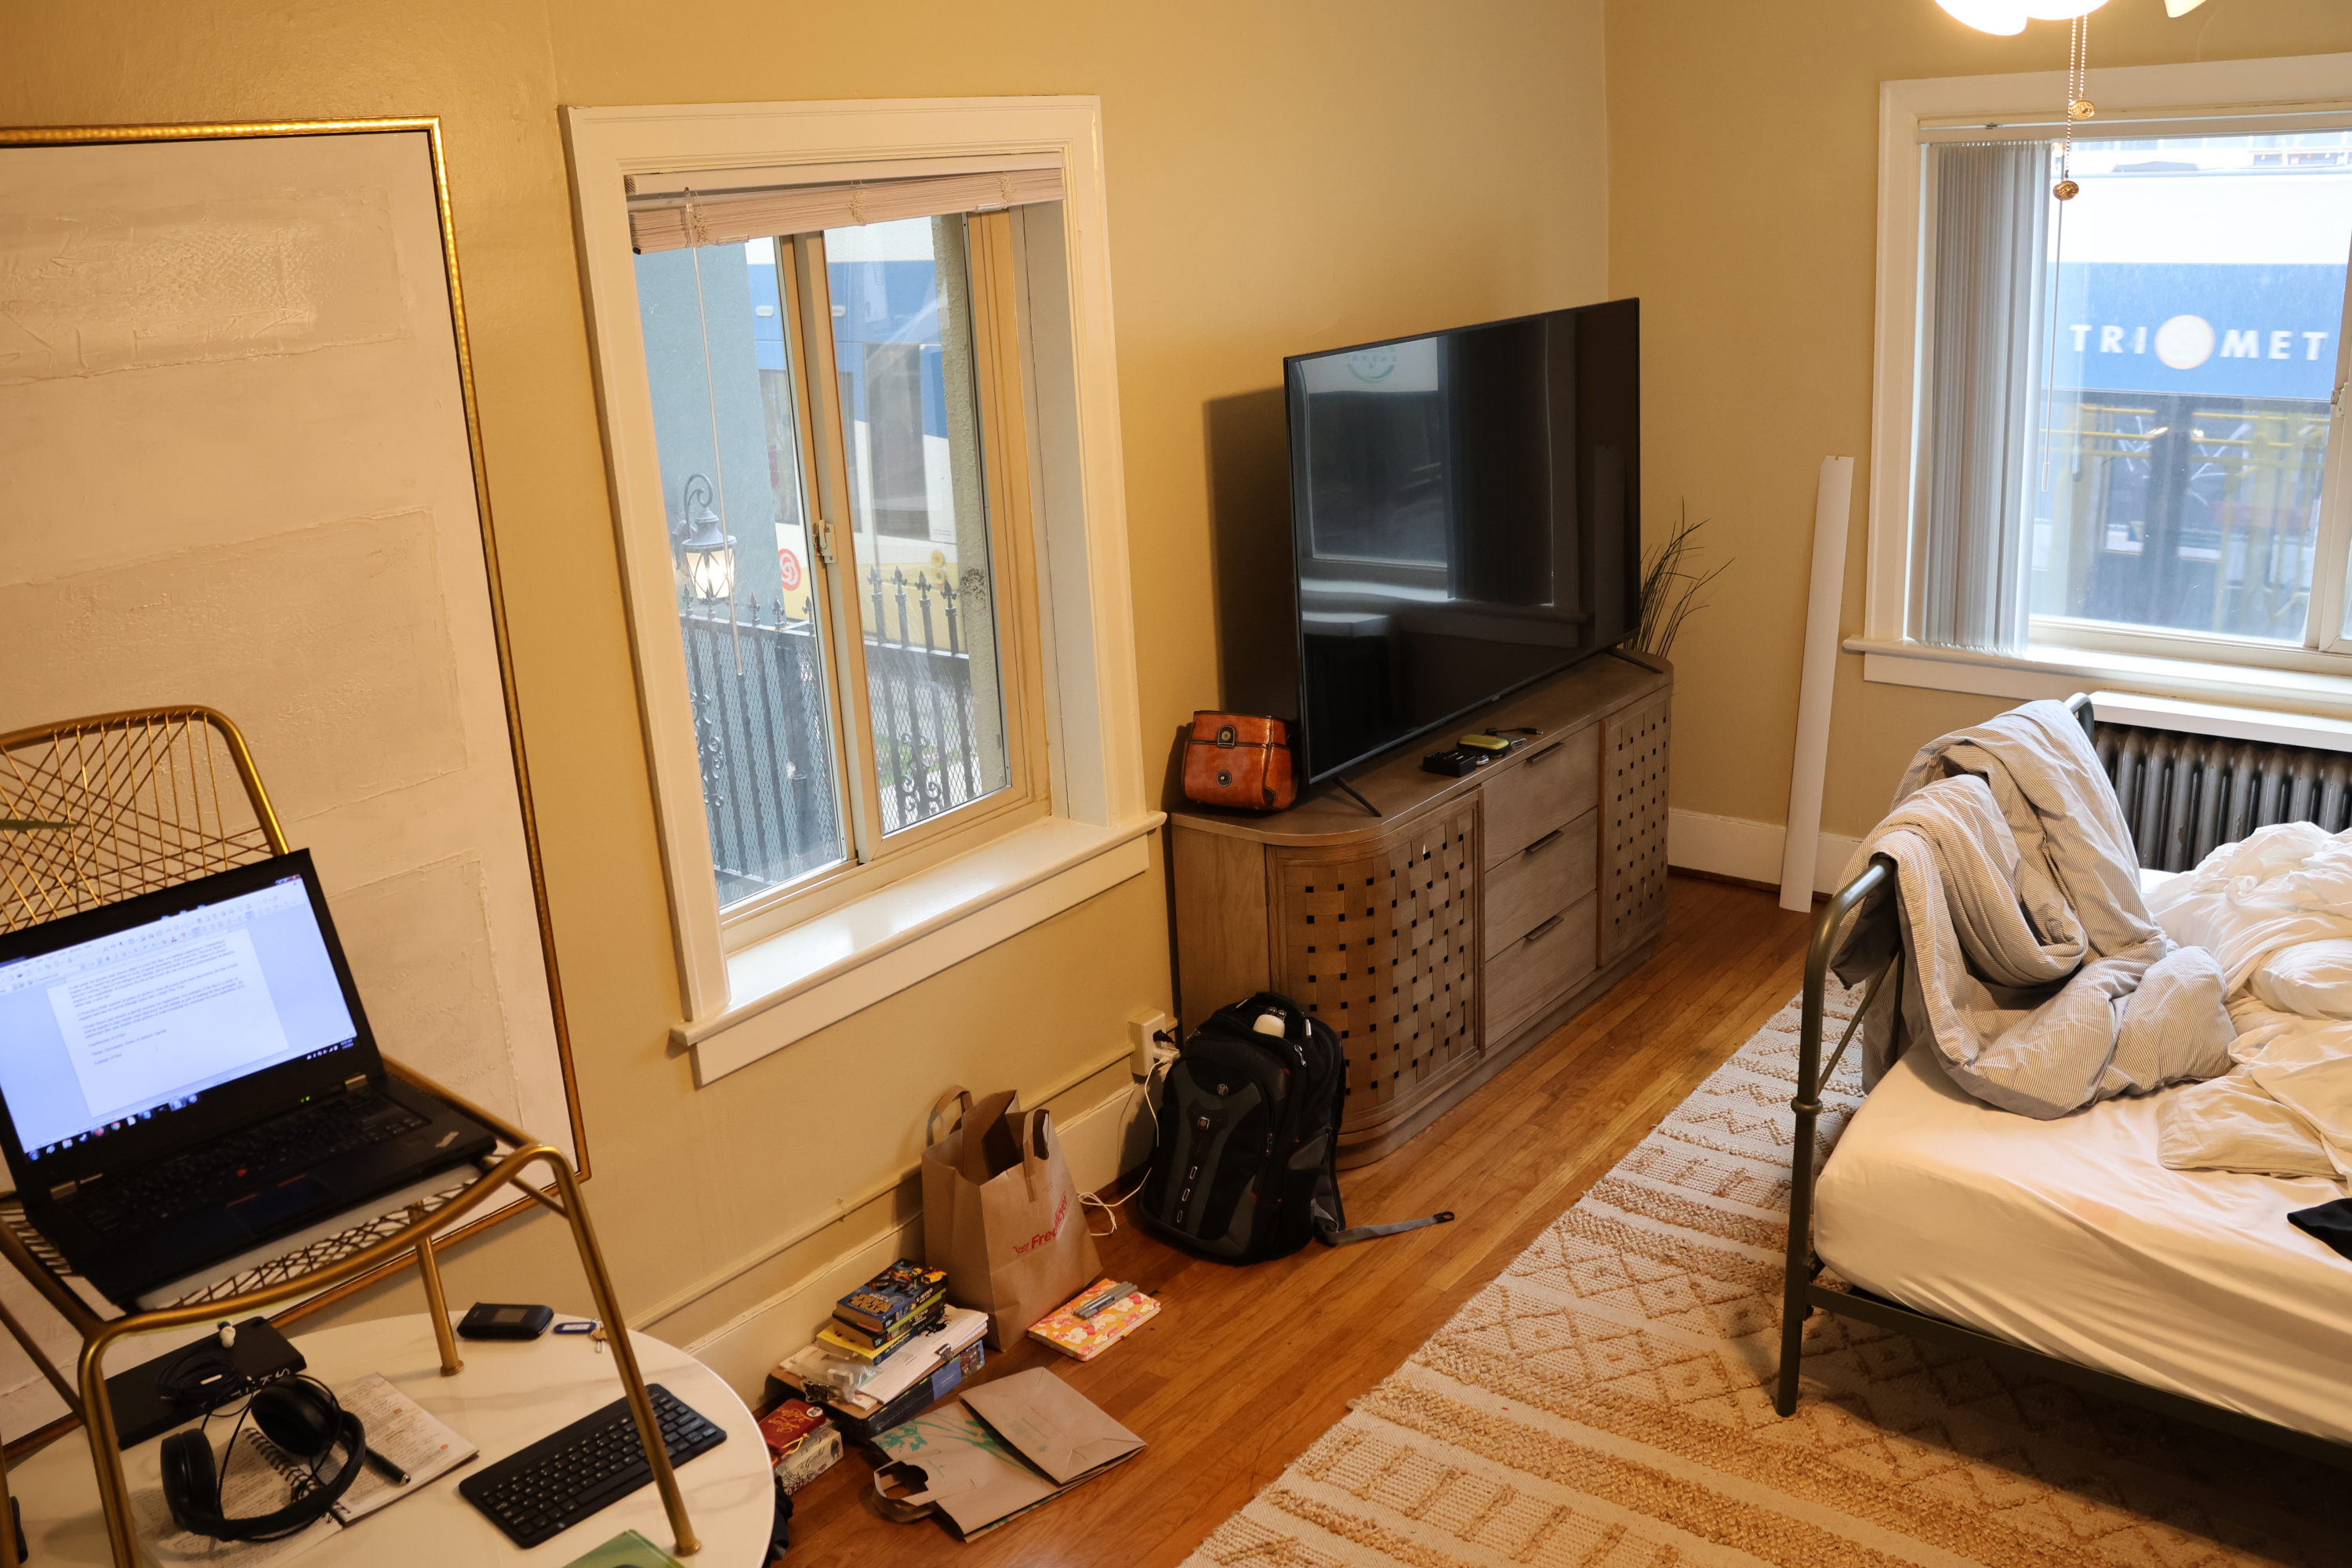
{"x":1282,"y":178}
{"x":1743,"y":206}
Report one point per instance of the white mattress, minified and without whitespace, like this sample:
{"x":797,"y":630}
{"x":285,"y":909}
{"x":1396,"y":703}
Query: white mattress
{"x":2067,"y":1237}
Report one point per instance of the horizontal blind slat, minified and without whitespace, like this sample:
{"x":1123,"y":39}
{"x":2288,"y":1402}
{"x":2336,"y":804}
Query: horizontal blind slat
{"x":675,"y":224}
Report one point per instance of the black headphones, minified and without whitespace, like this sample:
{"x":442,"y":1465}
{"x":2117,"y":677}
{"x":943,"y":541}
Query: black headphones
{"x":301,"y":1418}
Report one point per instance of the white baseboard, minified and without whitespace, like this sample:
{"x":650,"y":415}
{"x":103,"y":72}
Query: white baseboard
{"x":1098,"y":1142}
{"x":1107,"y":1138}
{"x":1734,"y":847}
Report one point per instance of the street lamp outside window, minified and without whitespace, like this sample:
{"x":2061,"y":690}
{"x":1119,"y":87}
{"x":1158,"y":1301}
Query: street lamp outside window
{"x":709,"y":551}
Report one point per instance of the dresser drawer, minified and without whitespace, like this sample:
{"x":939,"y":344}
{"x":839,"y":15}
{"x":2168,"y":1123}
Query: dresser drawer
{"x":1553,"y":783}
{"x":1541,"y":879}
{"x":1530,"y":973}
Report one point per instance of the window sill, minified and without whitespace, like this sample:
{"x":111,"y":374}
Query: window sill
{"x":852,"y":957}
{"x":2046,"y":671}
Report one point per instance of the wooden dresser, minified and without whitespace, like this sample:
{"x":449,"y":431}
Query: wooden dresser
{"x":1467,"y":921}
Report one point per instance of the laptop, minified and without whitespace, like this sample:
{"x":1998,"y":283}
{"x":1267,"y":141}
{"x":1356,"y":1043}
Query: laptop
{"x":188,"y":1074}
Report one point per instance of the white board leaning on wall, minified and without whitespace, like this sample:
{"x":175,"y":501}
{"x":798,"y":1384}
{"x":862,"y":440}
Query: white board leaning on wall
{"x":236,"y":469}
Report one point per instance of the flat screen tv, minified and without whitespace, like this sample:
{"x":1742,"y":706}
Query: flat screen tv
{"x":1465,"y":518}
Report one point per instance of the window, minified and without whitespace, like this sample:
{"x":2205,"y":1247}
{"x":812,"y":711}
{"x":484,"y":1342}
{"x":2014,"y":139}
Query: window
{"x":2197,"y":293}
{"x":853,"y":687}
{"x":2120,"y":435}
{"x":860,"y":410}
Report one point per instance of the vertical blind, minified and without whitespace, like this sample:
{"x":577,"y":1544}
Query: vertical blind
{"x":1987,"y":307}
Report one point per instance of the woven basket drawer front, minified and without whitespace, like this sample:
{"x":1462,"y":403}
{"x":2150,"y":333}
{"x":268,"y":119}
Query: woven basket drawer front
{"x":1539,"y":968}
{"x":1550,"y":784}
{"x":1382,"y":946}
{"x":1633,"y":829}
{"x":1531,"y":886}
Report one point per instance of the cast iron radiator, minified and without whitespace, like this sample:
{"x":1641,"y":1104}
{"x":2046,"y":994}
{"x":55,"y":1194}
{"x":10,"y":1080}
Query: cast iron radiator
{"x":2183,"y":795}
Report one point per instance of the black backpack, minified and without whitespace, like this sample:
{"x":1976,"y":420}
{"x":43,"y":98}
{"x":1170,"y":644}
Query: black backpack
{"x":1245,"y":1167}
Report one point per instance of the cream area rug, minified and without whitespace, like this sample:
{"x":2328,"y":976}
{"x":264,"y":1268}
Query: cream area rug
{"x":1604,"y":1404}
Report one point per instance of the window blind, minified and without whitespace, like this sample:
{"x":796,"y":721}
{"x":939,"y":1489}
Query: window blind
{"x":674,"y":222}
{"x":1987,"y":307}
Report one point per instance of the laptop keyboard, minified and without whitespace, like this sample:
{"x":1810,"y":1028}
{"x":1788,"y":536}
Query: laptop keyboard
{"x":204,"y":1178}
{"x":592,"y":1464}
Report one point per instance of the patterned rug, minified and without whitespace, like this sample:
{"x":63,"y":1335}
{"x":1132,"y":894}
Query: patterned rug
{"x":1604,"y":1404}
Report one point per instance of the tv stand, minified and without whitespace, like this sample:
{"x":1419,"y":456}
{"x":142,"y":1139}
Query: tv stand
{"x":1443,"y":938}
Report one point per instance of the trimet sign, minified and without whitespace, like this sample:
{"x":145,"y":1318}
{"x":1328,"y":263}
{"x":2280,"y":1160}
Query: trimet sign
{"x":2210,"y":330}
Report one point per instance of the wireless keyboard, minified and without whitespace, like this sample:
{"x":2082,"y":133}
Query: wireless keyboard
{"x":597,"y":1460}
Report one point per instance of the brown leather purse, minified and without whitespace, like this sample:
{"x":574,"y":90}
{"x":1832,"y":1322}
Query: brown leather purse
{"x":1240,"y":761}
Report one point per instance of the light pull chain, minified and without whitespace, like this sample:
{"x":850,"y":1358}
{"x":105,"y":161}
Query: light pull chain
{"x":2078,"y":104}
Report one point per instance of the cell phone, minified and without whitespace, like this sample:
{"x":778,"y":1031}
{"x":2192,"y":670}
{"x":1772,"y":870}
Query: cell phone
{"x":1486,"y":742}
{"x":503,"y":1320}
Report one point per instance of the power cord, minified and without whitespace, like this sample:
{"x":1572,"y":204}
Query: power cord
{"x":203,"y":1375}
{"x":1158,"y":1074}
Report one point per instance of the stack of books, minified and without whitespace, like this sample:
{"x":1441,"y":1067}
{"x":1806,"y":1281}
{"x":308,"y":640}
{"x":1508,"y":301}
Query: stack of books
{"x":803,"y":1442}
{"x":865,"y":1400}
{"x":884,"y":1313}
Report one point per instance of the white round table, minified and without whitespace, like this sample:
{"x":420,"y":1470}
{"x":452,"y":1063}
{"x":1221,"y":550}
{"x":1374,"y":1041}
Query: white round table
{"x":510,"y":1394}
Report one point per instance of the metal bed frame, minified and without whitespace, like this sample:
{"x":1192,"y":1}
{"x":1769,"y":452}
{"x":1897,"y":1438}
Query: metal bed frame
{"x":1870,"y":896}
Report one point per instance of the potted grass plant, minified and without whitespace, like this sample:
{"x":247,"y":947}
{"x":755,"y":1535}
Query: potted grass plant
{"x":1671,"y":584}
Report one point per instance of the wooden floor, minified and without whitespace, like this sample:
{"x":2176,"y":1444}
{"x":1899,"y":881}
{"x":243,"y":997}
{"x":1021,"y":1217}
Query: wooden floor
{"x":1244,"y":1368}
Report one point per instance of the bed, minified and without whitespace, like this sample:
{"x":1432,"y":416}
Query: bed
{"x":2065,"y":1243}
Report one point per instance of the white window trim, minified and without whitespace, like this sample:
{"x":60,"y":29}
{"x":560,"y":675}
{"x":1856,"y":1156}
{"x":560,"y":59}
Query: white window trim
{"x":1891,"y":654}
{"x":742,"y":1003}
{"x":2045,"y":671}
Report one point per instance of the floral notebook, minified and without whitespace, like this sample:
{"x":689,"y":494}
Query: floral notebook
{"x":1087,"y":1338}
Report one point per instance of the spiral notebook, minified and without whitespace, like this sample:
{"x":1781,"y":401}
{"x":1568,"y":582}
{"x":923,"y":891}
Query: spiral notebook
{"x":261,"y":1478}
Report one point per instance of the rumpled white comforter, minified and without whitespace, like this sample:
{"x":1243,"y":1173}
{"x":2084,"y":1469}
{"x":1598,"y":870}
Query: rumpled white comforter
{"x":2033,"y":968}
{"x":2276,"y":910}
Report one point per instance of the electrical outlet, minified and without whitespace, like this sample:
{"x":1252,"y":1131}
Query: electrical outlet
{"x":1143,"y":1050}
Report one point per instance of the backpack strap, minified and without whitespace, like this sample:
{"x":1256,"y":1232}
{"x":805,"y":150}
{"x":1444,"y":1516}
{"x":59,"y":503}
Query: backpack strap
{"x":1331,"y":1236}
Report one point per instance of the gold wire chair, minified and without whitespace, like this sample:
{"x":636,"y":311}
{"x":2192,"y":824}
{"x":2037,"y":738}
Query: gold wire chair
{"x":125,"y":804}
{"x":97,"y":810}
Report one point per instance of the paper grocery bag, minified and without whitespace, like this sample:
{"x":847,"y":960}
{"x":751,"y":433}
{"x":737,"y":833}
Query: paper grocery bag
{"x":1053,"y":1425}
{"x":948,"y":1462}
{"x":1001,"y":1214}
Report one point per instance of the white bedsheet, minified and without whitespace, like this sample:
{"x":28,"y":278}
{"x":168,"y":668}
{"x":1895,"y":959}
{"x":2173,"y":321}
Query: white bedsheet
{"x":2067,"y":1237}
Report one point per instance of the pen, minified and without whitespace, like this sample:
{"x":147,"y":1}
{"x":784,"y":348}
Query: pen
{"x":1087,"y":1309}
{"x":385,"y":1467}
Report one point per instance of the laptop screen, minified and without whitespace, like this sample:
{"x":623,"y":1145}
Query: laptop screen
{"x":118,"y":1030}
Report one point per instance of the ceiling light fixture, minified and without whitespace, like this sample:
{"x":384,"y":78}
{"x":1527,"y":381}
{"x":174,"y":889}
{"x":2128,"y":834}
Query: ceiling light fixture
{"x":2008,"y":17}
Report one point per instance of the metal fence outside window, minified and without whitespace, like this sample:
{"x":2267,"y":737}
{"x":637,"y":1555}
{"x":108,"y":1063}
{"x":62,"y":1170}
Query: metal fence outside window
{"x":757,"y":684}
{"x":919,"y":686}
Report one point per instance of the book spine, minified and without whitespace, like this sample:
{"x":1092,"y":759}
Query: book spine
{"x":879,"y":1329}
{"x":901,"y":1328}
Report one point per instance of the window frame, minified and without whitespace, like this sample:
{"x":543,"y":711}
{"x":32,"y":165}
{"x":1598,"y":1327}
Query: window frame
{"x":2231,"y":95}
{"x":1082,"y":810}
